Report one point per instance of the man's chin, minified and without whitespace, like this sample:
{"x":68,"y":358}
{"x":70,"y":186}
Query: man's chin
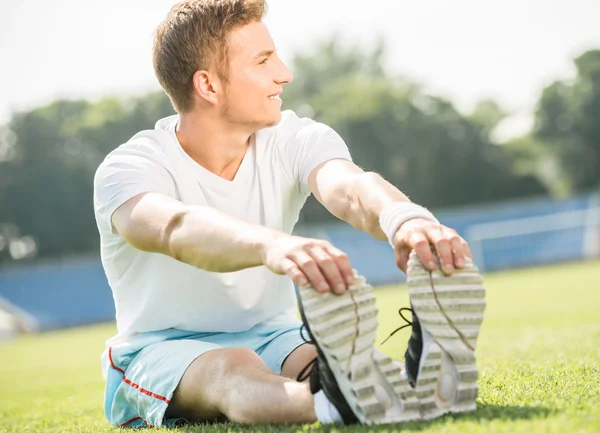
{"x":272,"y":121}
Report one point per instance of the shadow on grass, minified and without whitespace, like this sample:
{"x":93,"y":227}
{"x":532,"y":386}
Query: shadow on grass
{"x":505,"y":412}
{"x":484,"y":412}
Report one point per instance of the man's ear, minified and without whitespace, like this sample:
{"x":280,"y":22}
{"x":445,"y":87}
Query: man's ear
{"x":207,"y":86}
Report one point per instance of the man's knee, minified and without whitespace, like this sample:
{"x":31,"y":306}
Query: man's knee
{"x":233,"y":367}
{"x":226,"y":371}
{"x":222,"y":364}
{"x":204,"y":391}
{"x":237,"y":360}
{"x":238,"y":369}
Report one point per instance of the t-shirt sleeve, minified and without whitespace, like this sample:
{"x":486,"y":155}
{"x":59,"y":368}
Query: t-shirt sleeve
{"x":123,"y":176}
{"x":308,"y":144}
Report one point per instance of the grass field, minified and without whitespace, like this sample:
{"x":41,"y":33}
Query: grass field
{"x":538,"y":354}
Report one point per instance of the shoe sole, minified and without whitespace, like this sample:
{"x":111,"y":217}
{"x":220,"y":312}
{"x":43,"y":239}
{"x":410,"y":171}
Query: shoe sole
{"x":344,"y":326}
{"x":450,"y":311}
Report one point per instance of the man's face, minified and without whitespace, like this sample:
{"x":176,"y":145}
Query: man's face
{"x":256,"y":78}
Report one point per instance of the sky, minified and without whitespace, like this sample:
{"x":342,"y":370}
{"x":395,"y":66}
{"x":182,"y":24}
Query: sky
{"x":465,"y":50}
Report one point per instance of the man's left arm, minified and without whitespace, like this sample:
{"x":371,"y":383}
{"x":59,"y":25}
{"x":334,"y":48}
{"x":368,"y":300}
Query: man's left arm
{"x":360,"y":198}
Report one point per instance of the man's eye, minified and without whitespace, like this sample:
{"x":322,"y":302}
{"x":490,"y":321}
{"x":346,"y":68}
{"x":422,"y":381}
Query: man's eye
{"x":264,"y":61}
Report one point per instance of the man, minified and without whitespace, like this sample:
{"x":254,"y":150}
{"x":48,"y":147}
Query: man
{"x":195,"y":219}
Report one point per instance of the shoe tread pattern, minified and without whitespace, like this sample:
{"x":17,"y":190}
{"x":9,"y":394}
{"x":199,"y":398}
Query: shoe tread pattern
{"x":345,"y":328}
{"x":452,"y":312}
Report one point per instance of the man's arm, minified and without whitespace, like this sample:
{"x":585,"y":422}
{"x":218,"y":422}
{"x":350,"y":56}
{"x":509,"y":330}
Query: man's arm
{"x":353,"y":195}
{"x":212,"y":240}
{"x":358,"y":197}
{"x":197,"y":235}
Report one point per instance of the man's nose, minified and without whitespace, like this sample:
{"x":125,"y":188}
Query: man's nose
{"x":284,"y":75}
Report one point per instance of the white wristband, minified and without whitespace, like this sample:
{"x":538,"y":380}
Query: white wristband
{"x":395,"y":214}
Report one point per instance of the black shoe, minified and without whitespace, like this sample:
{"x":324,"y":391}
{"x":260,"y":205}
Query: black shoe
{"x":447,"y":316}
{"x":364,"y":385}
{"x":412,"y":356}
{"x":321,"y":378}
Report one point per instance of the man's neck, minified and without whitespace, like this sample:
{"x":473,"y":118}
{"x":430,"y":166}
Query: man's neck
{"x":213,"y":143}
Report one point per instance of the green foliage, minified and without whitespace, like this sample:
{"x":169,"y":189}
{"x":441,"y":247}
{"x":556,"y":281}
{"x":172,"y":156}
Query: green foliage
{"x":538,"y":356}
{"x":567,"y":121}
{"x":531,"y":156}
{"x":487,"y":113}
{"x":416,"y":141}
{"x":46,"y":185}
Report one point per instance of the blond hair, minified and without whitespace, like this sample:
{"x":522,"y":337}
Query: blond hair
{"x":193,"y":37}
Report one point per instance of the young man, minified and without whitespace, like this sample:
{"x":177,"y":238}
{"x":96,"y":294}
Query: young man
{"x":195,"y":219}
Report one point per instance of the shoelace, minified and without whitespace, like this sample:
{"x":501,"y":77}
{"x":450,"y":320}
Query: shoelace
{"x":408,"y":322}
{"x":450,"y":322}
{"x":307,"y":370}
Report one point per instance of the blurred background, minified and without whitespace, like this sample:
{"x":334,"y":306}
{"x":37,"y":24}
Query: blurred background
{"x":485,"y":112}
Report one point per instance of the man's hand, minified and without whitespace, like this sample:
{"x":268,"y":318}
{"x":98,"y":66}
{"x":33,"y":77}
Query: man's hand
{"x":420,"y":234}
{"x":309,"y":261}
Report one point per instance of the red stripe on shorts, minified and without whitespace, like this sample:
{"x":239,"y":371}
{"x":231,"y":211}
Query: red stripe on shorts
{"x":112,"y":363}
{"x":133,"y":384}
{"x":125,"y":424}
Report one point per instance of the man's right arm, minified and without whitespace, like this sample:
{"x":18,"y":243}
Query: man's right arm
{"x":209,"y":239}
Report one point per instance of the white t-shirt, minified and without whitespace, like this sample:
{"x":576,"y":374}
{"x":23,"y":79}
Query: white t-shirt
{"x":155,"y":292}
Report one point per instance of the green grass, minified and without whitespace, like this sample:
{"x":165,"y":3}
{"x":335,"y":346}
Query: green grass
{"x":539,"y":358}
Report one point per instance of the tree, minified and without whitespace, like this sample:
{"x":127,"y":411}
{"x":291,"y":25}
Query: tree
{"x":418,"y":142}
{"x":46,"y":184}
{"x":567,"y":121}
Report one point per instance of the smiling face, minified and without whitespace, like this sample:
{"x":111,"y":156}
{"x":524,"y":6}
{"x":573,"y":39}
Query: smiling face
{"x":255,"y":80}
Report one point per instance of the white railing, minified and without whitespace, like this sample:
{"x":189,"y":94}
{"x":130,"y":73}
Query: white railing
{"x":575,"y":233}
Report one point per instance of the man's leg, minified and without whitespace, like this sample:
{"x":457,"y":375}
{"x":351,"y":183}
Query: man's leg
{"x":297,"y":360}
{"x":237,"y":384}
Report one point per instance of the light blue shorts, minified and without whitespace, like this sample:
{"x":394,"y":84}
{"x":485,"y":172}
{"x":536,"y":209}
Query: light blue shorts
{"x":142,"y":374}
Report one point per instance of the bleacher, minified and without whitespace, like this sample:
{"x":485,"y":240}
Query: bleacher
{"x":60,"y":295}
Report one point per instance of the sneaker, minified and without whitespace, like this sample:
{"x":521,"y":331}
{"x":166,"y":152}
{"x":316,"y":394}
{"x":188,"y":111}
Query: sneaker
{"x":447,"y":317}
{"x":363,"y":384}
{"x":321,"y":378}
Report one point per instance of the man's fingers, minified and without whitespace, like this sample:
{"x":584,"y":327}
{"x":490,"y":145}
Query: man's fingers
{"x":457,"y":249}
{"x":402,"y":257}
{"x":342,"y":261}
{"x":311,"y":271}
{"x":319,"y":264}
{"x":451,"y":249}
{"x":290,"y":268}
{"x":329,"y":268}
{"x":466,"y":249}
{"x":421,"y":244}
{"x":442,"y":245}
